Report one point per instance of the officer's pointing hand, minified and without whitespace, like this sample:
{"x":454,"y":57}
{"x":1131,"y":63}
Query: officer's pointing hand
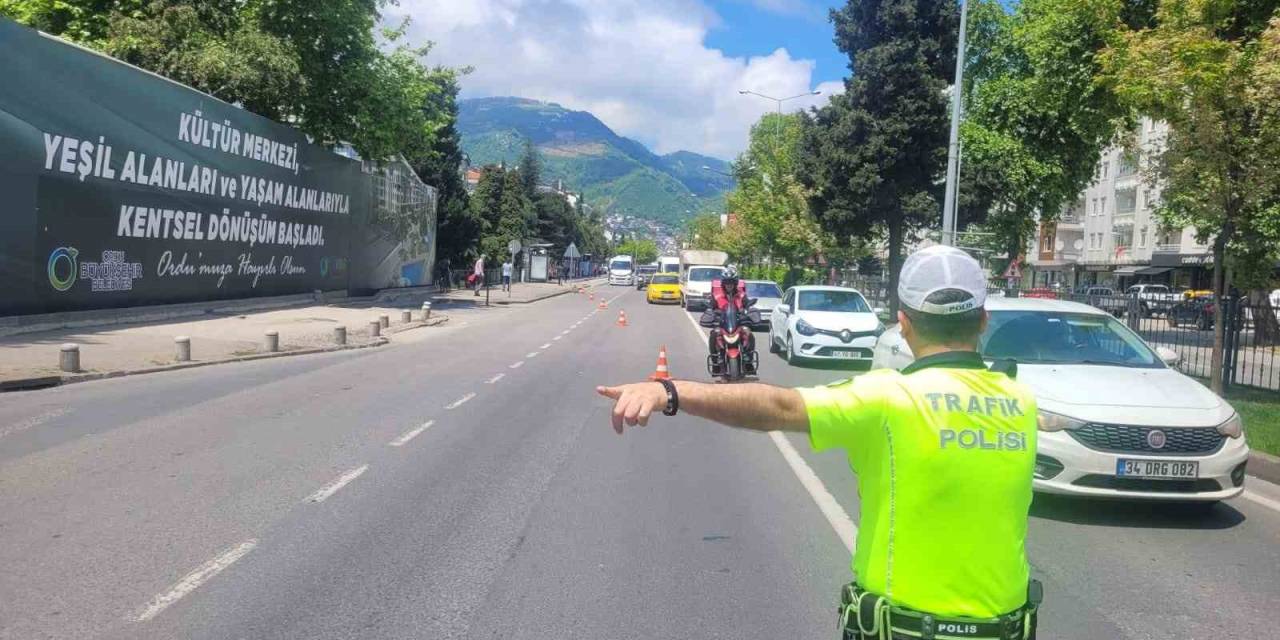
{"x":634,"y":402}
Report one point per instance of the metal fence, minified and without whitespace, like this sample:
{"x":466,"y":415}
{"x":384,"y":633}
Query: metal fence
{"x":1183,"y":324}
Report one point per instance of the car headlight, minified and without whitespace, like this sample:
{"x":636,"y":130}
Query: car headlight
{"x":1049,"y":421}
{"x":805,"y":329}
{"x":1233,"y":428}
{"x":879,"y":330}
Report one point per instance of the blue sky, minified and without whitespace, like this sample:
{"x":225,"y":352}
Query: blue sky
{"x":800,"y":26}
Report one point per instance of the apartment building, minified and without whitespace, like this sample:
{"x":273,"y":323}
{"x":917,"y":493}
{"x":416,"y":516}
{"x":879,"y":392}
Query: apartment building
{"x":1110,"y":236}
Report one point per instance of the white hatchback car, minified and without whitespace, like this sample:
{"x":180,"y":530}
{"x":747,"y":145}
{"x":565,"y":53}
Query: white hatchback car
{"x":823,"y":323}
{"x":1115,"y":420}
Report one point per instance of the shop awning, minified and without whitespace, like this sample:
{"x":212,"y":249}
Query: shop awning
{"x":1127,"y":271}
{"x":1153,"y":271}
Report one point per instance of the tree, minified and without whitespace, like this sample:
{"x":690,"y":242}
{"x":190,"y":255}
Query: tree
{"x":458,"y":229}
{"x":507,"y":215}
{"x":768,"y":201}
{"x":530,"y":169}
{"x":1036,"y":115}
{"x":1209,"y":68}
{"x":317,"y":64}
{"x":873,"y":155}
{"x":642,"y":251}
{"x":703,"y":232}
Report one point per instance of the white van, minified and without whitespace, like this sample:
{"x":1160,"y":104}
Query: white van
{"x":622,"y":270}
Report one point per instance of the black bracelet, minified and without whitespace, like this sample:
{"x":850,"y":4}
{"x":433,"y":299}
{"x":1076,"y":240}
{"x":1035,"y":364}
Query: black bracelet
{"x":673,"y":398}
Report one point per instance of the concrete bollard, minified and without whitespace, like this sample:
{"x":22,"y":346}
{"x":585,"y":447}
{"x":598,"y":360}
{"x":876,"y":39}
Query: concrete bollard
{"x":272,"y":341}
{"x":426,"y":311}
{"x":385,"y":320}
{"x":375,"y":328}
{"x":406,"y":317}
{"x":182,"y":348}
{"x":69,"y":359}
{"x":339,"y":335}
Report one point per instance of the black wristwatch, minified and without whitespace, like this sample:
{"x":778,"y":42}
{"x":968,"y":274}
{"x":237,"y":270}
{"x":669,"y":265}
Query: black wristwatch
{"x":673,"y":398}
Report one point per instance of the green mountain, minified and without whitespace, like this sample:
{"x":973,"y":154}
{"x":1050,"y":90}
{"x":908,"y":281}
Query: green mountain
{"x":615,"y":173}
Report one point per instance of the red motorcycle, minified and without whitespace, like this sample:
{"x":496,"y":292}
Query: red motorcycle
{"x":732,"y":346}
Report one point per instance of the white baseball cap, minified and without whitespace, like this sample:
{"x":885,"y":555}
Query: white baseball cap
{"x":940,"y":268}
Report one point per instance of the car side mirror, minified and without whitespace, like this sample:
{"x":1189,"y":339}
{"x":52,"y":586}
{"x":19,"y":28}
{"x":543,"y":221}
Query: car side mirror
{"x":783,"y":307}
{"x":1168,"y":356}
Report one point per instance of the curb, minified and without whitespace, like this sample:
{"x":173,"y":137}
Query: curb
{"x":1264,"y":466}
{"x":538,"y":299}
{"x":42,"y":382}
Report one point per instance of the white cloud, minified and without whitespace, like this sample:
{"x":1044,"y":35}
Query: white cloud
{"x":641,"y":66}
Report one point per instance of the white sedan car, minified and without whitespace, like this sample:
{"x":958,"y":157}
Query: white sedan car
{"x":1115,"y":420}
{"x":823,"y":323}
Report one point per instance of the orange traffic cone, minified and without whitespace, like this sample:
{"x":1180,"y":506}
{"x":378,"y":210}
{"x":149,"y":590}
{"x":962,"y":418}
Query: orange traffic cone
{"x":603,"y":305}
{"x":622,"y":318}
{"x":661,"y":373}
{"x":591,"y":296}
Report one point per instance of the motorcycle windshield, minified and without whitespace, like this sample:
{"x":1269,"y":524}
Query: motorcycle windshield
{"x":730,"y":322}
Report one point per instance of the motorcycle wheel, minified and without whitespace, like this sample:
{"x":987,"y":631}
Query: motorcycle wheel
{"x":734,"y":370}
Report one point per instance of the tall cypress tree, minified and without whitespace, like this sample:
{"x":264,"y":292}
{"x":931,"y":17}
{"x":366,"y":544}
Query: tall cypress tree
{"x":873,"y":157}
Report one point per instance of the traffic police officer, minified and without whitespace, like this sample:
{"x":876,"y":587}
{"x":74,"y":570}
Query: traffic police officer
{"x":944,"y":453}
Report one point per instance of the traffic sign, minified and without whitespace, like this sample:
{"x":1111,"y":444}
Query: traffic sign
{"x":513,"y":246}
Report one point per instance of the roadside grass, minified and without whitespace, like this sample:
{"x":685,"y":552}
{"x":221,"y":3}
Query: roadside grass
{"x":1261,"y":412}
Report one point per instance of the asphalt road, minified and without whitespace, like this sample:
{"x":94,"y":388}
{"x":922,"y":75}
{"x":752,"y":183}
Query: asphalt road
{"x":465,"y":483}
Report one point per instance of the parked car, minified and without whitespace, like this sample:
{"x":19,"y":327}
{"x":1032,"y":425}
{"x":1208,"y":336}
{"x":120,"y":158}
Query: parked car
{"x":663,"y":287}
{"x":1116,"y":420}
{"x":1153,"y":299}
{"x":767,"y":294}
{"x":1107,"y":299}
{"x":1198,"y":311}
{"x":823,"y":323}
{"x":643,"y":273}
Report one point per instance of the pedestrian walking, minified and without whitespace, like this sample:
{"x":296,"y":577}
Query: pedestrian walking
{"x":944,"y":453}
{"x":444,"y":277}
{"x":506,"y":275}
{"x":477,"y":273}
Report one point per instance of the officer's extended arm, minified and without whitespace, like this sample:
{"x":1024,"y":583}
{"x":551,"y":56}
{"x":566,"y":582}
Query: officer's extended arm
{"x":760,"y":407}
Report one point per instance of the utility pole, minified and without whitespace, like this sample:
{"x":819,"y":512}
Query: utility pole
{"x":949,"y":202}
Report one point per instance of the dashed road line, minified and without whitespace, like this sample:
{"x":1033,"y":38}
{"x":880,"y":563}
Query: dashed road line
{"x":193,"y":580}
{"x":460,"y":401}
{"x":531,"y":354}
{"x":840,"y":521}
{"x":495,"y":378}
{"x":515,"y":365}
{"x":557,"y":338}
{"x":409,"y":435}
{"x":545,"y":346}
{"x":333,"y":487}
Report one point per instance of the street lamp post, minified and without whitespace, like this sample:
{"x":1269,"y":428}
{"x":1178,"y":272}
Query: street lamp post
{"x":953,"y":148}
{"x":777,"y":126}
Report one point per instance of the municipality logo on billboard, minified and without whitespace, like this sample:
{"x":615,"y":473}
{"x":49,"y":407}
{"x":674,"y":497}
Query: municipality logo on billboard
{"x":111,"y":274}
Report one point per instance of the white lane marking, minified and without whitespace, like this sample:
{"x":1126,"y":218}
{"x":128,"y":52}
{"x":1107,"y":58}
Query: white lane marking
{"x":840,"y":521}
{"x":495,"y":378}
{"x":835,"y":514}
{"x":333,"y":487}
{"x":409,"y":435}
{"x":460,"y":401}
{"x":1262,"y":500}
{"x":193,"y":580}
{"x":556,"y":338}
{"x":545,"y":346}
{"x":515,"y":365}
{"x":531,"y":354}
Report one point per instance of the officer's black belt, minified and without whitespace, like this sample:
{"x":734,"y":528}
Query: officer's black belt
{"x":866,"y":615}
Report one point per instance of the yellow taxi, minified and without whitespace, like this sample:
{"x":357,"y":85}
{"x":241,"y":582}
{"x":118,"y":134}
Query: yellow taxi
{"x":663,"y":287}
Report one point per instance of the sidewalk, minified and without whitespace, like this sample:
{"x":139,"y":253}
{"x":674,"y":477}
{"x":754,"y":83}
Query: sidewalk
{"x":31,"y":359}
{"x":521,"y":292}
{"x":125,"y":348}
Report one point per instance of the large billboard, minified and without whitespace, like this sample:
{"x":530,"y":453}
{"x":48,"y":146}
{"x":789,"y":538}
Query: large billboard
{"x":119,"y":188}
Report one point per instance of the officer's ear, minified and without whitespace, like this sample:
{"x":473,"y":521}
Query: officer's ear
{"x":905,"y":323}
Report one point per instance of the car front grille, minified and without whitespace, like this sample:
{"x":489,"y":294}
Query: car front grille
{"x":1098,"y":481}
{"x":853,"y":335}
{"x":1118,"y":438}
